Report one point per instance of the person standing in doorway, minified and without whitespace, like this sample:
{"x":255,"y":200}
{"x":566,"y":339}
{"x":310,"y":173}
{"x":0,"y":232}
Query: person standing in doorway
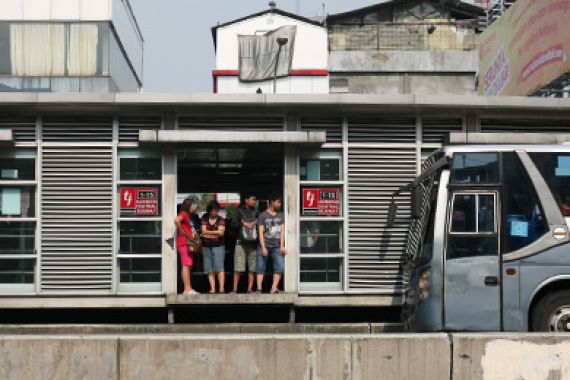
{"x":271,"y":225}
{"x":213,"y":228}
{"x":184,"y":231}
{"x":246,"y":248}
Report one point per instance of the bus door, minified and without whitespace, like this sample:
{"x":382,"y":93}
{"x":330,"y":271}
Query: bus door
{"x":472,"y":298}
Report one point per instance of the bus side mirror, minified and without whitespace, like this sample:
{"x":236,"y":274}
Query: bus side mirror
{"x":416,"y":202}
{"x":392,"y":211}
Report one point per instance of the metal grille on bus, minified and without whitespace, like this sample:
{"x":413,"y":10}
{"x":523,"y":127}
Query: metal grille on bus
{"x":231,"y":124}
{"x":525,"y":125}
{"x":76,"y":207}
{"x":129,"y":127}
{"x":23,"y":130}
{"x":333,"y":128}
{"x":375,"y":250}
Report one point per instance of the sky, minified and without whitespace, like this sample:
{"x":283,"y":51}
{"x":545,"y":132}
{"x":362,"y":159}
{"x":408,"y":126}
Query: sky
{"x":178,"y":46}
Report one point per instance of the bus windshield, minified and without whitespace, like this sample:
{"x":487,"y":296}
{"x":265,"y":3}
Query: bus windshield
{"x":555,"y":169}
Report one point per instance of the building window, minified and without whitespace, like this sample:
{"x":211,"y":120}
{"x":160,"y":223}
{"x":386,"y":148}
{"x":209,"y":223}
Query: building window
{"x":321,"y":166}
{"x":54,"y":49}
{"x":18,"y":254}
{"x":140,"y":220}
{"x":321,"y":238}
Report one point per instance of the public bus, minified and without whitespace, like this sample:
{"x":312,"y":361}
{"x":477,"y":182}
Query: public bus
{"x":488,"y":248}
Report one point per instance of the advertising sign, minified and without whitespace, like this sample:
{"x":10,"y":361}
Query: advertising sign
{"x":525,"y":49}
{"x":321,"y":202}
{"x":139,"y":201}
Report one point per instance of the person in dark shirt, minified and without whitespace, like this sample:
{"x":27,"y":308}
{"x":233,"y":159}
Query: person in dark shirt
{"x":271,"y":224}
{"x":213,"y":228}
{"x":246,"y":248}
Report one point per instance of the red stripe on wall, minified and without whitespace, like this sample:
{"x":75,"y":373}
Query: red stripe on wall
{"x":294,"y":73}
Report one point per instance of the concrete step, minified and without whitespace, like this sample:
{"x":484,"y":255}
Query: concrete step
{"x":228,"y":328}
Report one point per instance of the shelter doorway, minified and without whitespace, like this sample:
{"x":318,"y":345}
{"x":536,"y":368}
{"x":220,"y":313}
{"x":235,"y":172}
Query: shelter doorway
{"x":226,"y":173}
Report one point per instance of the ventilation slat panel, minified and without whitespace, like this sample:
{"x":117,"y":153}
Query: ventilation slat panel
{"x":77,"y":130}
{"x":77,"y":227}
{"x":375,"y":250}
{"x":525,"y":126}
{"x":386,"y":130}
{"x":129,"y":127}
{"x":436,"y":130}
{"x":332,"y":127}
{"x":23,"y":130}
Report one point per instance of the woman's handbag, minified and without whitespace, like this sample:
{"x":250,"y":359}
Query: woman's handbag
{"x":194,"y":243}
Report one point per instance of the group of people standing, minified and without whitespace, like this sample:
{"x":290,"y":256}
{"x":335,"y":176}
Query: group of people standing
{"x":261,"y":235}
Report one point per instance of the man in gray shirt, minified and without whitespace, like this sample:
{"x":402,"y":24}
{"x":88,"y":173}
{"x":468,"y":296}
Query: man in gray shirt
{"x":271,"y":224}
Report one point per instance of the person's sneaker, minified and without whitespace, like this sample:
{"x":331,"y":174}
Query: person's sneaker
{"x":193,"y":292}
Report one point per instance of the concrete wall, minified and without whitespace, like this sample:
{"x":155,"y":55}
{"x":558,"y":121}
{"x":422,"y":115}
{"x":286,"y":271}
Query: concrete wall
{"x":404,"y":83}
{"x":398,"y":356}
{"x":404,"y":61}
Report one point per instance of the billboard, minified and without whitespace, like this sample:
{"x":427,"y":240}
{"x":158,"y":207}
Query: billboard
{"x":525,"y":49}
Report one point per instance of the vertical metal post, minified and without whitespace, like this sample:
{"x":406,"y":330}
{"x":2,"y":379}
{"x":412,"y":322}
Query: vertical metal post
{"x":291,"y":210}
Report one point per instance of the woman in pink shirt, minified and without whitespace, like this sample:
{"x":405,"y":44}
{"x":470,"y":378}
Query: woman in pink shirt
{"x":185,"y":231}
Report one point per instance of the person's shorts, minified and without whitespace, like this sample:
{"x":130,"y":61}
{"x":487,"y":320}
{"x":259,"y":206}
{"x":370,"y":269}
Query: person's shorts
{"x":214,"y":259}
{"x":185,"y":257}
{"x":245,"y":252}
{"x":276,"y":257}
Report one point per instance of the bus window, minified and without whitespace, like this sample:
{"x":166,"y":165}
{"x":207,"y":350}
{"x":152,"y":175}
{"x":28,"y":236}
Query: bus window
{"x":555,"y":169}
{"x":475,"y":168}
{"x":523,"y":219}
{"x":473,"y":230}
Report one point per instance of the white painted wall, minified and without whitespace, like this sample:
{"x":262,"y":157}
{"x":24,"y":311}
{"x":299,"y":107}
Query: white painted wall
{"x":310,"y":41}
{"x":310,"y":52}
{"x":289,"y":85}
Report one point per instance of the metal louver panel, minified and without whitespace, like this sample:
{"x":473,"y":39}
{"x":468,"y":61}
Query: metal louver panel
{"x":129,"y":127}
{"x":386,"y":130}
{"x":231,"y":124}
{"x":435,"y":130}
{"x":78,"y":130}
{"x":77,"y":227}
{"x":23,"y":130}
{"x":375,"y":251}
{"x":526,"y":125}
{"x":333,"y":128}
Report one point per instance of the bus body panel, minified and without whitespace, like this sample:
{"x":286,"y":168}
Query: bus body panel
{"x":470,"y":303}
{"x":513,"y":318}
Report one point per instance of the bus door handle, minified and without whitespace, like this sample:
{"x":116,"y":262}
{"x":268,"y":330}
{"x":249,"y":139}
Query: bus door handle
{"x":491,"y":281}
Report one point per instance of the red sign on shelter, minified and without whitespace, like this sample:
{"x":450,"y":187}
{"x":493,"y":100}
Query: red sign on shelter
{"x":321,"y":202}
{"x":142,"y":201}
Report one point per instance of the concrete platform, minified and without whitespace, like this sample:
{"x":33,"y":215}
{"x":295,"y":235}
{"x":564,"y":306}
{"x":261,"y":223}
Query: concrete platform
{"x":292,"y":299}
{"x":232,"y":299}
{"x":224,"y":328}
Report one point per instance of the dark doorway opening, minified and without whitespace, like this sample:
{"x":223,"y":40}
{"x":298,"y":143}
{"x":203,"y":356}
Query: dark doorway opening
{"x":226,"y":173}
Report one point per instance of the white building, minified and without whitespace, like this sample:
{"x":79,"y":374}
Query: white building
{"x":70,"y":46}
{"x":308,"y":73}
